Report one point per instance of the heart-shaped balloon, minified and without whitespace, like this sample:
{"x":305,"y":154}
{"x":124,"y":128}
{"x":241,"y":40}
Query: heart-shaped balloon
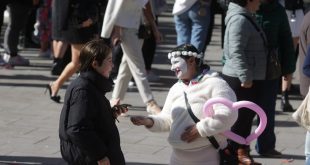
{"x":235,"y":106}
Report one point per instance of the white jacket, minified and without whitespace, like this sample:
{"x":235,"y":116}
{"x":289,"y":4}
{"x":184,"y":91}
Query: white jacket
{"x":180,"y":6}
{"x":175,"y":118}
{"x":123,"y":13}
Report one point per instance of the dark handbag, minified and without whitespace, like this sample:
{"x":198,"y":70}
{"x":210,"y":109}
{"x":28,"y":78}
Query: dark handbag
{"x":77,"y":15}
{"x":144,"y":31}
{"x":226,"y":154}
{"x":273,"y":65}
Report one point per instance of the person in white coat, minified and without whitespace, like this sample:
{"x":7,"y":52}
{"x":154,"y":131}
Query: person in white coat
{"x":121,"y":23}
{"x":196,"y":85}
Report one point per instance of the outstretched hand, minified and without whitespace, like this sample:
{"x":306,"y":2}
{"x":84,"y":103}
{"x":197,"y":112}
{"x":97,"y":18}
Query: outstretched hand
{"x":190,"y":134}
{"x":142,"y":120}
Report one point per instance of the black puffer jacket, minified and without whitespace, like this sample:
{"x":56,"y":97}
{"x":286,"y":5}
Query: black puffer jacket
{"x":87,"y":128}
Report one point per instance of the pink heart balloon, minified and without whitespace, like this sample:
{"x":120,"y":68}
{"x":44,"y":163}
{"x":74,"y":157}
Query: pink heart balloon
{"x":235,"y":106}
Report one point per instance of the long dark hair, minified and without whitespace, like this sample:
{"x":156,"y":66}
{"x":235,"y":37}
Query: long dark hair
{"x":93,"y":50}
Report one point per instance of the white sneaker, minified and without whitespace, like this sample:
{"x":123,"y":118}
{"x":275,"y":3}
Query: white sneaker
{"x":151,"y":76}
{"x":2,"y":62}
{"x":131,"y":84}
{"x":16,"y":60}
{"x":152,"y":107}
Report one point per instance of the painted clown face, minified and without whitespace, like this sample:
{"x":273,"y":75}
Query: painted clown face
{"x":179,"y":66}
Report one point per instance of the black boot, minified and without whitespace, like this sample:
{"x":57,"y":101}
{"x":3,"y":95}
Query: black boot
{"x":285,"y":105}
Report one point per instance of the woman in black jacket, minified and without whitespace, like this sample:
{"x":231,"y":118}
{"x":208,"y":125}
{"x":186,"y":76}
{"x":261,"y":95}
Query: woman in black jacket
{"x":87,"y":129}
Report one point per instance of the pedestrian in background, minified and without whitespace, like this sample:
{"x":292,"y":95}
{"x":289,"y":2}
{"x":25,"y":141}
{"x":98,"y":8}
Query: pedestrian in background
{"x":245,"y":55}
{"x":304,"y":42}
{"x":19,"y":12}
{"x":304,"y":61}
{"x":87,"y":130}
{"x":121,"y":22}
{"x":192,"y":19}
{"x":271,"y":17}
{"x":295,"y":14}
{"x":74,"y":23}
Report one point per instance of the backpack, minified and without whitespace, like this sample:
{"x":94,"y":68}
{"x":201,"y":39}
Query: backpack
{"x":293,"y":4}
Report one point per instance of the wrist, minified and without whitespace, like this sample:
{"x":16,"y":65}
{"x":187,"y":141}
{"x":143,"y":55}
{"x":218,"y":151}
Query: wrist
{"x":150,"y":122}
{"x":102,"y":160}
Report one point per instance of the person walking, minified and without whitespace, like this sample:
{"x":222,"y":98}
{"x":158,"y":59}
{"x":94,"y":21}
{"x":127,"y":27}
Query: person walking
{"x":295,"y":14}
{"x":74,"y":23}
{"x":197,"y":84}
{"x":121,"y":23}
{"x":19,"y":12}
{"x":87,"y":130}
{"x":192,"y":19}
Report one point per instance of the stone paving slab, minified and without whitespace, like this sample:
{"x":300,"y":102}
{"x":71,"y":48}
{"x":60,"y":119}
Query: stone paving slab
{"x":29,"y":119}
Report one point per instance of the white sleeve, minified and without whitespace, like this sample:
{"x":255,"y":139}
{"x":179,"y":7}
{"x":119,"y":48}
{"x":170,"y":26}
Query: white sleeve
{"x":223,"y":117}
{"x":163,"y":120}
{"x":112,"y":11}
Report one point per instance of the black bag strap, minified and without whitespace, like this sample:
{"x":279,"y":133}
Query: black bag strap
{"x":256,"y":27}
{"x":212,"y":139}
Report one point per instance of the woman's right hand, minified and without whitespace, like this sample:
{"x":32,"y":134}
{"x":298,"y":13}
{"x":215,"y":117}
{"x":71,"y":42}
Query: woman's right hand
{"x":247,"y":84}
{"x":116,"y":35}
{"x":142,"y":120}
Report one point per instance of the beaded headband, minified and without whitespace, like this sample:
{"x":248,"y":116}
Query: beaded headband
{"x":184,"y":53}
{"x":185,"y":50}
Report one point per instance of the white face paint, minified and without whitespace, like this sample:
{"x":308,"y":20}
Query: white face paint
{"x":179,"y":66}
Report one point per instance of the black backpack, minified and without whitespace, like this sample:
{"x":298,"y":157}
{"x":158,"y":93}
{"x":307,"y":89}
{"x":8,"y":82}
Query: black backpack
{"x":293,"y":4}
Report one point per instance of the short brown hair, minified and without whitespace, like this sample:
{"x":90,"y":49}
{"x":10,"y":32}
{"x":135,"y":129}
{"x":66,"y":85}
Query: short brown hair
{"x":93,"y":50}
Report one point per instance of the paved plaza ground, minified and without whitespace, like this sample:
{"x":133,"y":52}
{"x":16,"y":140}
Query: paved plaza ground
{"x":29,"y":119}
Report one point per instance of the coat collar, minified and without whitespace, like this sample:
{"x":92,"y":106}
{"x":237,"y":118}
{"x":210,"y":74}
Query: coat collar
{"x":102,"y":83}
{"x":203,"y":70}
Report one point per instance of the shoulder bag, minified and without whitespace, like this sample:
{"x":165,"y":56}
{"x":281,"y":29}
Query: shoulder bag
{"x":226,"y":154}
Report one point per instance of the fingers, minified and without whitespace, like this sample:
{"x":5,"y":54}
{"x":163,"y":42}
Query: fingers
{"x":136,"y":120}
{"x":87,"y":23}
{"x":190,"y":134}
{"x":116,"y":41}
{"x":158,"y":37}
{"x":119,"y":109}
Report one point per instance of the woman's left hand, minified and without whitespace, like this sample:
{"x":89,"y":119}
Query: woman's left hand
{"x":120,"y":108}
{"x":158,"y":36}
{"x":87,"y":23}
{"x":190,"y":134}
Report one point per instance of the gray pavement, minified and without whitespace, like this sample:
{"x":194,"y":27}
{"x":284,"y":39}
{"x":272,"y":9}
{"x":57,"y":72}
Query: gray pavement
{"x":29,"y":119}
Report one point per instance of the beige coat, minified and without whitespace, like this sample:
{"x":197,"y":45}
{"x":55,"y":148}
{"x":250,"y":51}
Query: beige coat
{"x":304,"y":42}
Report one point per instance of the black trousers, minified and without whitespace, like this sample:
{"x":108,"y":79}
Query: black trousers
{"x":244,"y":122}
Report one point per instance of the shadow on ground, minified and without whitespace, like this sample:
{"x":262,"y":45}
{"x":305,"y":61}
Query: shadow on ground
{"x":28,"y":160}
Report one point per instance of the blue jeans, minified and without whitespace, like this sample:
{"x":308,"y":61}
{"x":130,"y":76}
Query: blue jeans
{"x":267,"y":140}
{"x":192,"y":28}
{"x":307,"y":148}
